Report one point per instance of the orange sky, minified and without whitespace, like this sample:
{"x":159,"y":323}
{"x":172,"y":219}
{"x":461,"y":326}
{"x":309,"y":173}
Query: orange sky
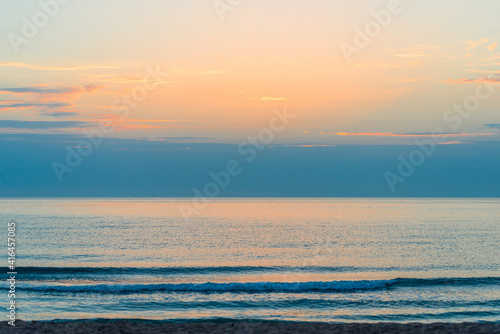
{"x":221,"y":79}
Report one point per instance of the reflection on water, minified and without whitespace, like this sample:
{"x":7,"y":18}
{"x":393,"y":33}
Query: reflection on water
{"x":260,"y":240}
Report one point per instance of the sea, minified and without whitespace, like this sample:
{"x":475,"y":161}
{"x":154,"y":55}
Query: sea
{"x":336,"y":260}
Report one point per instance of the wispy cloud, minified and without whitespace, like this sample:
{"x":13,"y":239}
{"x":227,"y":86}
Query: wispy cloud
{"x":28,"y":105}
{"x":407,"y":63}
{"x":313,"y":145}
{"x":489,"y":79}
{"x":58,"y":68}
{"x":398,"y":90}
{"x":38,"y":125}
{"x":196,"y":71}
{"x":493,"y":125}
{"x":414,"y":79}
{"x":268,"y":98}
{"x":135,"y":127}
{"x":493,"y":46}
{"x":49,"y":91}
{"x":172,"y":139}
{"x":119,"y":119}
{"x":391,"y":134}
{"x":69,"y":125}
{"x":49,"y":101}
{"x":421,"y":51}
{"x":473,"y":44}
{"x":115,"y":79}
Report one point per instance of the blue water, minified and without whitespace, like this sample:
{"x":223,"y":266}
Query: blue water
{"x":332,"y":260}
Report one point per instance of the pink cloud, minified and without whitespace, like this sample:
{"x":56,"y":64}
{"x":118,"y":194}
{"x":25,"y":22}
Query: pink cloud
{"x":390,"y":134}
{"x":489,"y":79}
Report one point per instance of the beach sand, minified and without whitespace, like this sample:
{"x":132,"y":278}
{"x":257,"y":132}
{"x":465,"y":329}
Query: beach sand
{"x":113,"y":327}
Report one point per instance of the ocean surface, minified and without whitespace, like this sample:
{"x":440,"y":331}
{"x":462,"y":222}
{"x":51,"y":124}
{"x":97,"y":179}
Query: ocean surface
{"x":328,"y":260}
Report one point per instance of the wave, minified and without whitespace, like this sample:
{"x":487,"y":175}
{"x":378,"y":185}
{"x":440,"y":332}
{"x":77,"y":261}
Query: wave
{"x":258,"y":287}
{"x":249,"y":287}
{"x":188,"y":270}
{"x":450,"y":281}
{"x":212,"y":270}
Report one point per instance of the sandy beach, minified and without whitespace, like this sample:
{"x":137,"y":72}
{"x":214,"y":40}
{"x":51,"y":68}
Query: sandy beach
{"x":246,"y":327}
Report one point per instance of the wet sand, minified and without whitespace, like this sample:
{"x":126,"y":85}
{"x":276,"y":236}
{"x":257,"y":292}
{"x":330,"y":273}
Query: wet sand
{"x":121,"y":326}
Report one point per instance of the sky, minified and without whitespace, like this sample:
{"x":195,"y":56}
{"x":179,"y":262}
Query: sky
{"x":336,"y":98}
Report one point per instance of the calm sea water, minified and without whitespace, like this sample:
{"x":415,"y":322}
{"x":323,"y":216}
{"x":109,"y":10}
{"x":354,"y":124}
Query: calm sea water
{"x":333,"y":260}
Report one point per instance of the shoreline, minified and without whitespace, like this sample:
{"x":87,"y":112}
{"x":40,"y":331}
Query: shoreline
{"x":244,"y":326}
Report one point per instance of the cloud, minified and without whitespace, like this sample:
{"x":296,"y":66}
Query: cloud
{"x":172,"y":139}
{"x":391,"y":134}
{"x":48,"y":101}
{"x":268,"y":98}
{"x":58,"y":68}
{"x":489,"y":79}
{"x":73,"y":124}
{"x":124,"y":79}
{"x":492,"y":47}
{"x":421,"y":51}
{"x":414,"y":79}
{"x":315,"y":145}
{"x":493,"y":125}
{"x":50,"y":91}
{"x":116,"y":118}
{"x":49,"y":108}
{"x":398,"y":90}
{"x":58,"y":112}
{"x":119,"y":127}
{"x":169,"y":169}
{"x":474,"y":44}
{"x":39,"y":90}
{"x":405,"y":64}
{"x":38,"y":125}
{"x":48,"y":125}
{"x":27,"y":105}
{"x":452,"y":143}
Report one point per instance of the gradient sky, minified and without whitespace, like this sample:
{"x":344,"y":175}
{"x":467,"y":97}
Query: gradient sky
{"x":222,"y":78}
